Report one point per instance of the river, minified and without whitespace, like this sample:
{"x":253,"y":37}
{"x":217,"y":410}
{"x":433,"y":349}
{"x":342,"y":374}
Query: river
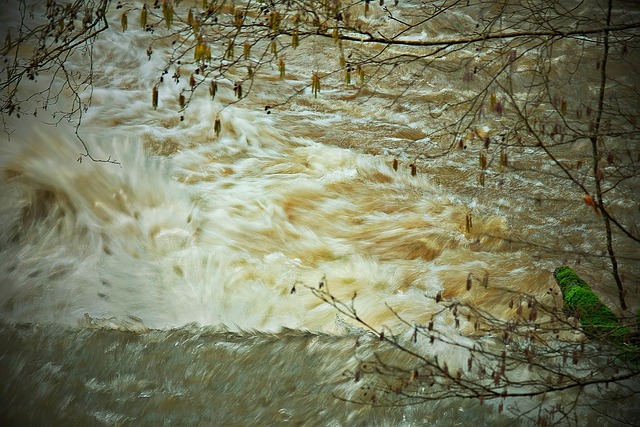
{"x":179,"y":286}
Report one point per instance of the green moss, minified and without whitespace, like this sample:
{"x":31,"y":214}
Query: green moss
{"x":567,"y":278}
{"x":596,"y":319}
{"x":579,"y":300}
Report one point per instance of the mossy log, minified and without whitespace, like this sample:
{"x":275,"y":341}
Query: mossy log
{"x":579,"y":300}
{"x":597,"y":320}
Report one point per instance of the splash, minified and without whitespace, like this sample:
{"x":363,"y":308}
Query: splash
{"x":234,"y":232}
{"x":232,"y":228}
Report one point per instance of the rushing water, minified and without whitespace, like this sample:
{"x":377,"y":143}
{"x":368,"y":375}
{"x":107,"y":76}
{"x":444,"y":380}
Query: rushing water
{"x":162,"y":291}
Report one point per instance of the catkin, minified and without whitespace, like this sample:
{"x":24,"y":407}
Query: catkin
{"x":246,"y":50}
{"x":315,"y":84}
{"x":483,"y":161}
{"x":154,"y":97}
{"x":143,"y":17}
{"x":213,"y":88}
{"x":229,"y":52}
{"x":167,"y":12}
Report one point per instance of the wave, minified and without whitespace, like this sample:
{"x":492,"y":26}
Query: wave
{"x":220,"y":232}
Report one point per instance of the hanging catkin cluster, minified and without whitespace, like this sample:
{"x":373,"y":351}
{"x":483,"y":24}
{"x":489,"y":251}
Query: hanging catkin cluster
{"x":143,"y":17}
{"x":213,"y":88}
{"x":246,"y":50}
{"x":295,"y":37}
{"x":154,"y":97}
{"x":167,"y":13}
{"x":229,"y":52}
{"x":315,"y":84}
{"x":202,"y":51}
{"x":274,"y":21}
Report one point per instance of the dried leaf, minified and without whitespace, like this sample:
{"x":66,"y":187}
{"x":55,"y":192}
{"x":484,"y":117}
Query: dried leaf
{"x":588,"y":199}
{"x":413,"y":376}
